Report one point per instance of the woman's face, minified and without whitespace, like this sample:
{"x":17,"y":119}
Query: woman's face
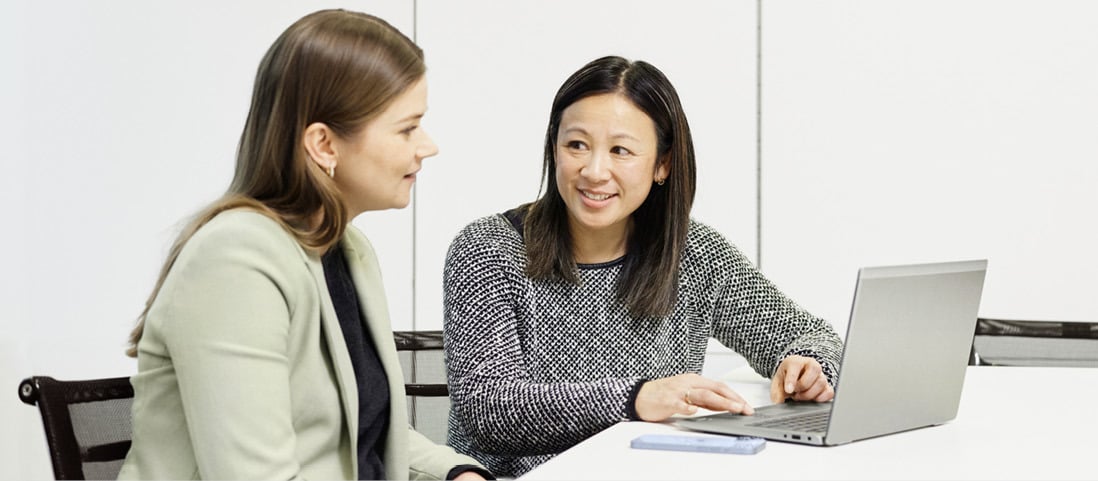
{"x":606,"y":162}
{"x":377,"y":167}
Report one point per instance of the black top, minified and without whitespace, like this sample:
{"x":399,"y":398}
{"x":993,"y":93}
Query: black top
{"x":373,"y":384}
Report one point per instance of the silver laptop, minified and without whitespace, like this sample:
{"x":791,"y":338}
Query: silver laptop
{"x":904,"y":360}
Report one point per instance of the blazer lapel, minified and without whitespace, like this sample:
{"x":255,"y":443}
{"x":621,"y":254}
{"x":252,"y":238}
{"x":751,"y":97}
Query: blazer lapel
{"x":337,"y":350}
{"x":366,"y":275}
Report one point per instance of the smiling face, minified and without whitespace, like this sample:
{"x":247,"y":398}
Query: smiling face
{"x":376,"y":168}
{"x":606,"y":161}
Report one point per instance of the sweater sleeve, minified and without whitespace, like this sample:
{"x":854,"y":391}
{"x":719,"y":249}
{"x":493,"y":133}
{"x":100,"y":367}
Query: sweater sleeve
{"x":754,"y":318}
{"x":497,"y":404}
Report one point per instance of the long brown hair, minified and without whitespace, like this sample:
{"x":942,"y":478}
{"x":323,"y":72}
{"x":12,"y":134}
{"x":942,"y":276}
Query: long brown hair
{"x":648,"y":284}
{"x":336,"y":67}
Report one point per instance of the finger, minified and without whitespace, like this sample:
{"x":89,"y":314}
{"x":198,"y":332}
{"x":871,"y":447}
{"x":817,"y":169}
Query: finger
{"x":720,"y":401}
{"x":726,"y":391}
{"x":810,"y":376}
{"x":777,"y":392}
{"x":738,"y":403}
{"x":723,"y":390}
{"x":812,"y":392}
{"x":687,"y":404}
{"x":722,"y":397}
{"x":793,"y":371}
{"x":827,"y":395}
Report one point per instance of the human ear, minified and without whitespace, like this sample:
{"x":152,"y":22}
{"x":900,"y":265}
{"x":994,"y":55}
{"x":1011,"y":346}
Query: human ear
{"x":663,"y":168}
{"x":318,"y":143}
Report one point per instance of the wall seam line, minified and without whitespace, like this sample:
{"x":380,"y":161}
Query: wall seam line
{"x":758,"y":135}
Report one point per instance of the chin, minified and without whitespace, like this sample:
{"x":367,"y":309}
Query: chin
{"x":593,"y":222}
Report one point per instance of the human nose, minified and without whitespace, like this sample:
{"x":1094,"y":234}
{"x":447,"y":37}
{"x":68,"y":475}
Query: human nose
{"x":597,"y":167}
{"x":427,"y":148}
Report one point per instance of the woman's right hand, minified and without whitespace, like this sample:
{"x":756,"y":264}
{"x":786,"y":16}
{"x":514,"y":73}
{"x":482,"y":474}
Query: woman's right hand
{"x":660,"y":399}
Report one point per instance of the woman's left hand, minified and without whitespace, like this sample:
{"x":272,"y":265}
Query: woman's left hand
{"x":802,"y":379}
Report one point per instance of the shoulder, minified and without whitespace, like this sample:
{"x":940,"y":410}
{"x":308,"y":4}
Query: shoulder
{"x":705,"y":246}
{"x":488,"y":241}
{"x":493,"y":231}
{"x":247,"y":224}
{"x":238,"y":256}
{"x":491,"y":226}
{"x":244,"y":235}
{"x":705,"y":240}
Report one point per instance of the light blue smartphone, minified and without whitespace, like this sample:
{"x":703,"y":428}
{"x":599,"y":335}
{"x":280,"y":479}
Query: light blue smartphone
{"x":702,"y":444}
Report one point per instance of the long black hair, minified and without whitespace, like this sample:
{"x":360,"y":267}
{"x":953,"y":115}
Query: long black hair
{"x":648,"y":285}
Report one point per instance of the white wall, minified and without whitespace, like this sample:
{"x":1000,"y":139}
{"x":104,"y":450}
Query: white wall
{"x":891,"y":132}
{"x":910,"y":131}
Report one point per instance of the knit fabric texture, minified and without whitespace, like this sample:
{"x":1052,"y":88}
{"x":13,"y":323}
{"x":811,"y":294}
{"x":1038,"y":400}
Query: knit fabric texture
{"x":536,"y":366}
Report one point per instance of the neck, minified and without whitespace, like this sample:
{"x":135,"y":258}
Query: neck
{"x":598,"y":246}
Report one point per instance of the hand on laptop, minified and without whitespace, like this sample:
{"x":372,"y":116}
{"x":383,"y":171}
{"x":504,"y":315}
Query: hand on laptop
{"x":801,"y":379}
{"x":660,"y":399}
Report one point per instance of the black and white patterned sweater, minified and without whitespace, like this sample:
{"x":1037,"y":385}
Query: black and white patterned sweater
{"x":535,"y":367}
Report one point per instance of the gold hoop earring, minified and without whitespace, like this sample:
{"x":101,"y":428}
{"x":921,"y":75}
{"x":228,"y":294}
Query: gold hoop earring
{"x":332,"y":171}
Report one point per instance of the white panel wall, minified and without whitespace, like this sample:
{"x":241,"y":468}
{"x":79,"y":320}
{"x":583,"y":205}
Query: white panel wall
{"x":910,"y":131}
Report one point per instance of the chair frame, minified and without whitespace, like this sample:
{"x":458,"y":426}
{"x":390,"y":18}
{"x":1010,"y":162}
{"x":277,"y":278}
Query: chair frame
{"x":1029,"y":328}
{"x":421,"y":341}
{"x":53,"y":397}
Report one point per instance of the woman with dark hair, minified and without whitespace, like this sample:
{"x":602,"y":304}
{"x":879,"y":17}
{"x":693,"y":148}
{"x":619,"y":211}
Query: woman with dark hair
{"x":265,"y":349}
{"x":593,"y":304}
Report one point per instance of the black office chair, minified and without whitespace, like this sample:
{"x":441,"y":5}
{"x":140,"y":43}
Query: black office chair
{"x":87,"y":423}
{"x":1001,"y":342}
{"x":421,"y":359}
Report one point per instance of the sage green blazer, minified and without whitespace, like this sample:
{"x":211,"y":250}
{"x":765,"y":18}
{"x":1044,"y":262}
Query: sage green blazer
{"x":243,"y":371}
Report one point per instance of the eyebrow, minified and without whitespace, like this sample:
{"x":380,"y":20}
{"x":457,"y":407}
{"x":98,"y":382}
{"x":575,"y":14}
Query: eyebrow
{"x":411,"y":117}
{"x":623,"y":135}
{"x":619,"y":135}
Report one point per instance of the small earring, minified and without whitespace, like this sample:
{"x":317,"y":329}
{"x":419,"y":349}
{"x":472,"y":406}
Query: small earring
{"x":332,"y":171}
{"x":660,"y":182}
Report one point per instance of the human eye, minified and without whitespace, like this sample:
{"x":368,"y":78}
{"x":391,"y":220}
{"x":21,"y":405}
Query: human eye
{"x":407,"y":131}
{"x":575,"y":145}
{"x":620,"y":151}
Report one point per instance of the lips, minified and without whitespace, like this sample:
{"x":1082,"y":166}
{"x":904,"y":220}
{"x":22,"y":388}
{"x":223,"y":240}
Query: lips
{"x":596,"y":196}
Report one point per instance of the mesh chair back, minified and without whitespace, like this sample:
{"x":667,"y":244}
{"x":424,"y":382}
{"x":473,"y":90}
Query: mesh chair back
{"x":87,"y":423}
{"x":421,"y":359}
{"x":1000,"y":342}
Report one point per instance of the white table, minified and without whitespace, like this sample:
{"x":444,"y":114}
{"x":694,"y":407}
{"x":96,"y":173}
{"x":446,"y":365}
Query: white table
{"x":1013,"y":423}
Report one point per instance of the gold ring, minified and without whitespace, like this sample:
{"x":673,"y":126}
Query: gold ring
{"x":686,"y":396}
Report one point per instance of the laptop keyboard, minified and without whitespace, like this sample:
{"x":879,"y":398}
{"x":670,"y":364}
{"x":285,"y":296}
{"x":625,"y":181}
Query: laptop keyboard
{"x":816,"y":421}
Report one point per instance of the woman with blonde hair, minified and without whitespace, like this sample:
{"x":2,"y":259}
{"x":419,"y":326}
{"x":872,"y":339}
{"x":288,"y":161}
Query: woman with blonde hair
{"x":265,"y":350}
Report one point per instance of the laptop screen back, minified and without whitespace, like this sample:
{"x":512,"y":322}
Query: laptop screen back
{"x":917,"y":320}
